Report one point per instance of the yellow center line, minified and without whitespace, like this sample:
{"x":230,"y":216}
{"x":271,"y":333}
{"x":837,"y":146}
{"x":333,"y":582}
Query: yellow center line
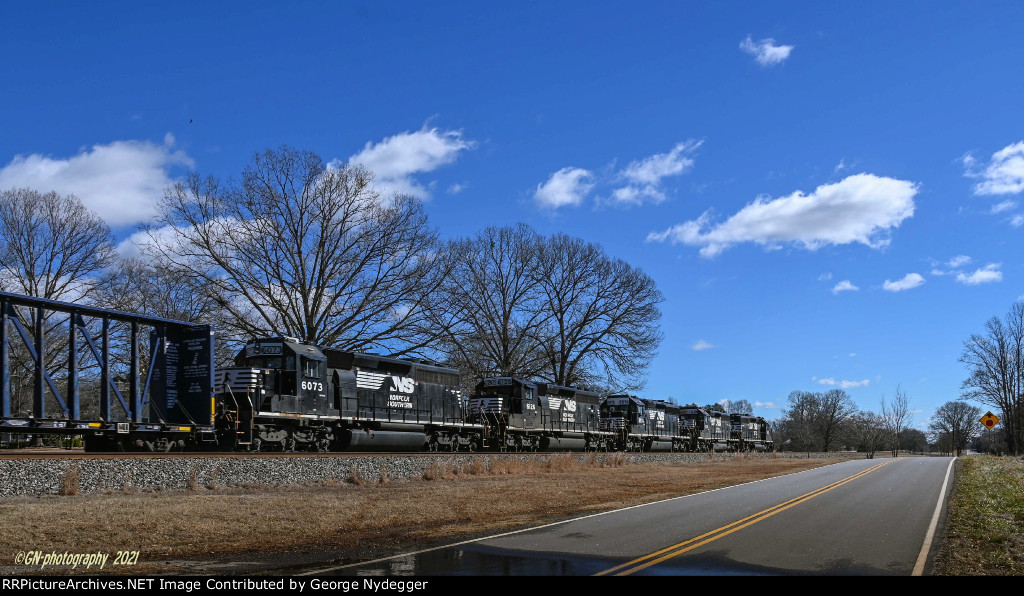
{"x":688,"y":545}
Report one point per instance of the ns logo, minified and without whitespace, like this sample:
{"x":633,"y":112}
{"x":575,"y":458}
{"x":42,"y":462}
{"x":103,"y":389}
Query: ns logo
{"x":403,"y":384}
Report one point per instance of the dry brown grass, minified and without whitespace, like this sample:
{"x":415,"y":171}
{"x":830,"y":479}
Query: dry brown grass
{"x":383,"y":516}
{"x":476,"y":467}
{"x":354,"y":477}
{"x":69,"y":484}
{"x":192,"y":482}
{"x":437,"y":471}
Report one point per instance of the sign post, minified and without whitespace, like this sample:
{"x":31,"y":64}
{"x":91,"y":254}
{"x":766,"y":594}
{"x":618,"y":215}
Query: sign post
{"x":989,"y":420}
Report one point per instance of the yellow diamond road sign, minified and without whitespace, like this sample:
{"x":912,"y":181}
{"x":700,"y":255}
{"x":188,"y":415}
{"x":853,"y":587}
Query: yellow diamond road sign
{"x":989,"y":420}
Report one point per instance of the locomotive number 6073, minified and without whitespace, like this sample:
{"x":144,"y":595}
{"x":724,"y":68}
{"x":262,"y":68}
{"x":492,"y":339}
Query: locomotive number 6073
{"x":312,"y":386}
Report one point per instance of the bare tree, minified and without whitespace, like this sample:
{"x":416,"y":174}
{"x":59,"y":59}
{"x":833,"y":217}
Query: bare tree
{"x":556,"y":308}
{"x":834,"y":408}
{"x":802,"y":415}
{"x":51,"y":246}
{"x":155,"y":289}
{"x":897,"y":417}
{"x":995,"y":366}
{"x":305,"y":250}
{"x":958,"y":419}
{"x":914,"y":440}
{"x":740,"y":406}
{"x":486,"y":307}
{"x":869,"y":432}
{"x":601,"y":315}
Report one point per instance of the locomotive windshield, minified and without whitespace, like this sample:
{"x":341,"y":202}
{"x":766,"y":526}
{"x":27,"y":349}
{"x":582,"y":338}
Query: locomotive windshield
{"x":264,"y":362}
{"x":505,"y":390}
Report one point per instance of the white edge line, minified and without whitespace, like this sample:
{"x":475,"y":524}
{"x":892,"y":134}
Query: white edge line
{"x":558,"y":523}
{"x":923,"y":557}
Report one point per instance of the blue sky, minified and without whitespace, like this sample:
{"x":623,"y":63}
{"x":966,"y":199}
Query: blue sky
{"x":754,"y":158}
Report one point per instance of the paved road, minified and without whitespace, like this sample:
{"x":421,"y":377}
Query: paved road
{"x":852,"y":518}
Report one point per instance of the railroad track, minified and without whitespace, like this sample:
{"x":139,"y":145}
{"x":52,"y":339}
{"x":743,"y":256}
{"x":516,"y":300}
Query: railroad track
{"x":65,"y":454}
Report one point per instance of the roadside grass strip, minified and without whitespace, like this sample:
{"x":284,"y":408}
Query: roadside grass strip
{"x":985,"y":526}
{"x":683,"y":547}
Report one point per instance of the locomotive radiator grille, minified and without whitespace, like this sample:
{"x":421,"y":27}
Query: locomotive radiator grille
{"x":238,"y":380}
{"x":613,"y":423}
{"x":485,"y":405}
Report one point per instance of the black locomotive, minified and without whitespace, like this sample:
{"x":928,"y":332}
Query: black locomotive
{"x":520,"y":415}
{"x":283,"y":395}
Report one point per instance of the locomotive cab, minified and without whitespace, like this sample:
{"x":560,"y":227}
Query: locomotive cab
{"x":509,"y":409}
{"x":626,"y":417}
{"x":294,"y":378}
{"x":507,"y":400}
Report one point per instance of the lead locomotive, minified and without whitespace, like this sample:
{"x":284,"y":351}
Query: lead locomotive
{"x":283,"y":395}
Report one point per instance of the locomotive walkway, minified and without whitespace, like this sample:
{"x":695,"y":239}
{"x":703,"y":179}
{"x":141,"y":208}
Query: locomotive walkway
{"x":860,"y":517}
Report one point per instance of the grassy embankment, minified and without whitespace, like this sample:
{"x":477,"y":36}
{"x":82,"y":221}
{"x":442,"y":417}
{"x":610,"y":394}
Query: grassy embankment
{"x":361,"y":517}
{"x":985,"y":527}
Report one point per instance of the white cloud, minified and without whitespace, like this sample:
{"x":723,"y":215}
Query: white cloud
{"x":766,"y":404}
{"x":988,"y":274}
{"x":910,"y":280}
{"x":1017,"y":221}
{"x":959,"y":261}
{"x":1003,"y":175}
{"x":644,"y":177}
{"x":1006,"y":205}
{"x":860,"y":208}
{"x":121,"y":182}
{"x":568,"y":186}
{"x":396,"y":159}
{"x":852,"y":354}
{"x":825,"y":276}
{"x":765,"y":51}
{"x":844,"y":384}
{"x":458,"y":187}
{"x":702,"y":345}
{"x":844,"y":286}
{"x":168,"y":242}
{"x":954,"y":263}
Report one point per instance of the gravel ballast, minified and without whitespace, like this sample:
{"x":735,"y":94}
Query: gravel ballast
{"x":55,"y":476}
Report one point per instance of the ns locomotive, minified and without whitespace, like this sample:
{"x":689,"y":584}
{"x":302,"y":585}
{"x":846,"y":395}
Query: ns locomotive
{"x":519,"y":415}
{"x":283,"y":395}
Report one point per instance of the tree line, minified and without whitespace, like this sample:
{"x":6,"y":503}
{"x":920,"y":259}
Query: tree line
{"x":300,"y":248}
{"x":995,"y":366}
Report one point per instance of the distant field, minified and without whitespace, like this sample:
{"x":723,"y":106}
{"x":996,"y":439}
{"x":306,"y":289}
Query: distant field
{"x":985,"y":528}
{"x":358,"y":518}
